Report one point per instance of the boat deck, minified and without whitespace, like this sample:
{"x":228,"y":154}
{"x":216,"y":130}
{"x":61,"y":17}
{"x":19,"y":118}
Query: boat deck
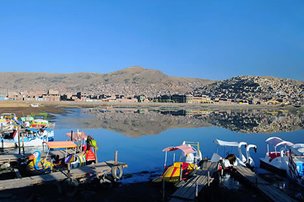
{"x":269,"y":191}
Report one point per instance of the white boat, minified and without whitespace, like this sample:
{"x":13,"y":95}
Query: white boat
{"x":33,"y":138}
{"x":295,"y":169}
{"x":7,"y":139}
{"x":276,"y":159}
{"x":7,"y":143}
{"x":233,"y":159}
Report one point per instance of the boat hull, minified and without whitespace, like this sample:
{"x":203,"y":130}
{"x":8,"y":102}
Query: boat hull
{"x":4,"y":144}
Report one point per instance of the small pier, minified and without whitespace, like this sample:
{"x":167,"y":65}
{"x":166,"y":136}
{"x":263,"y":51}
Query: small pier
{"x":189,"y":191}
{"x":10,"y":158}
{"x":269,"y":191}
{"x":81,"y":174}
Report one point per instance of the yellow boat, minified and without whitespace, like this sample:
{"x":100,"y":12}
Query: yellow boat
{"x":180,"y":170}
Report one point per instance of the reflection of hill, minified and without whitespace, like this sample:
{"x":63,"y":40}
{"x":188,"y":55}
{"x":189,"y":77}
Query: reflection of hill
{"x":136,"y":123}
{"x":253,"y":121}
{"x":140,"y":122}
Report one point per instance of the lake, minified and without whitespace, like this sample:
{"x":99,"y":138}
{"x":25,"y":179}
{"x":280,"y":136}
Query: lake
{"x":139,"y":135}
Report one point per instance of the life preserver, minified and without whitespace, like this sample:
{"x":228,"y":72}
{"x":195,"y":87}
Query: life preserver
{"x":117,"y":172}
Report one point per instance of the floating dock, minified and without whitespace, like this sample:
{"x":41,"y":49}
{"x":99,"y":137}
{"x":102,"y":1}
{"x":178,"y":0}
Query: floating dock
{"x":269,"y":191}
{"x":189,"y":191}
{"x":81,"y":174}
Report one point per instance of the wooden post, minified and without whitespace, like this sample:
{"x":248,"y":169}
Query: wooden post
{"x":181,"y":173}
{"x":95,"y":152}
{"x":116,"y":157}
{"x":69,"y":170}
{"x":208,"y":178}
{"x":196,"y":189}
{"x":164,"y":189}
{"x":71,"y":135}
{"x":23,"y":143}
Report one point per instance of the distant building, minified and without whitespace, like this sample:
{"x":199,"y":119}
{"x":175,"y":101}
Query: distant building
{"x":179,"y":98}
{"x":51,"y":96}
{"x":198,"y":100}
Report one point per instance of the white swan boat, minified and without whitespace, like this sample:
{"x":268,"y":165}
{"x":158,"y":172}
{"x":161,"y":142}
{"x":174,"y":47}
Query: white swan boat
{"x":232,"y":159}
{"x":276,"y":157}
{"x":295,"y":169}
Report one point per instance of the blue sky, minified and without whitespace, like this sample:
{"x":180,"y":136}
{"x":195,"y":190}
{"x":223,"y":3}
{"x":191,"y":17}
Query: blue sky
{"x":203,"y":39}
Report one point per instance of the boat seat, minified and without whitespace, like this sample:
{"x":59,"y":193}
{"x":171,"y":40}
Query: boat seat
{"x":273,"y":155}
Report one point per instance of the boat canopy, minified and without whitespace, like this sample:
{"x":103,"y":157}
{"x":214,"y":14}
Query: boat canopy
{"x":187,"y":149}
{"x":77,"y":135}
{"x":276,"y":141}
{"x":226,"y":143}
{"x":61,"y":144}
{"x":298,"y":149}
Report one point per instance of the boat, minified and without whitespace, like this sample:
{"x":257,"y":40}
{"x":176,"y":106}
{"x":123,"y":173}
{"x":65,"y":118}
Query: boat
{"x":182,"y":168}
{"x":35,"y":105}
{"x":44,"y":133}
{"x":234,"y":158}
{"x":6,"y":140}
{"x":276,"y":157}
{"x":33,"y":138}
{"x":85,"y":143}
{"x":38,"y":165}
{"x":295,"y":169}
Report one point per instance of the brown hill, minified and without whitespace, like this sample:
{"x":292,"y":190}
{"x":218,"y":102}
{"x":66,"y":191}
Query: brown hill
{"x":255,"y":87}
{"x":130,"y":81}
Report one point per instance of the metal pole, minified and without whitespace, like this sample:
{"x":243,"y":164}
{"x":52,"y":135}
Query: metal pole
{"x":19,"y":145}
{"x":165,"y":164}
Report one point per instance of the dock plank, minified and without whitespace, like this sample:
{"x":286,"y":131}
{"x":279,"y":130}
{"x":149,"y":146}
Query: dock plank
{"x":187,"y":192}
{"x":263,"y":186}
{"x":88,"y":171}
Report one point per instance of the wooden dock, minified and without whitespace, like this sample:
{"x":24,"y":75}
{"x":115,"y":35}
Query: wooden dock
{"x":81,"y":174}
{"x":9,"y":158}
{"x":190,"y":190}
{"x":13,"y":158}
{"x":269,"y":191}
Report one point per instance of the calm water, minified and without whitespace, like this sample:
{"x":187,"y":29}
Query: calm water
{"x":140,"y":136}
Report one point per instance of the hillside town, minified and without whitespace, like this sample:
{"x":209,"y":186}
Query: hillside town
{"x":153,"y":86}
{"x":212,"y":97}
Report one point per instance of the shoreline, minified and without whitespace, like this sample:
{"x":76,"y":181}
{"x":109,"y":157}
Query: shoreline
{"x":24,"y":107}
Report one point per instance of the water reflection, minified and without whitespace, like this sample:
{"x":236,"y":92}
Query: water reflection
{"x":136,"y":122}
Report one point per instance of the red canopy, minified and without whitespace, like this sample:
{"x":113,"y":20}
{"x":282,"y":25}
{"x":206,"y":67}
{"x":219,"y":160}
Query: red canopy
{"x":185,"y":148}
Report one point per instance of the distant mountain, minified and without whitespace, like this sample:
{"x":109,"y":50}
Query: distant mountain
{"x":255,"y":88}
{"x":129,"y":81}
